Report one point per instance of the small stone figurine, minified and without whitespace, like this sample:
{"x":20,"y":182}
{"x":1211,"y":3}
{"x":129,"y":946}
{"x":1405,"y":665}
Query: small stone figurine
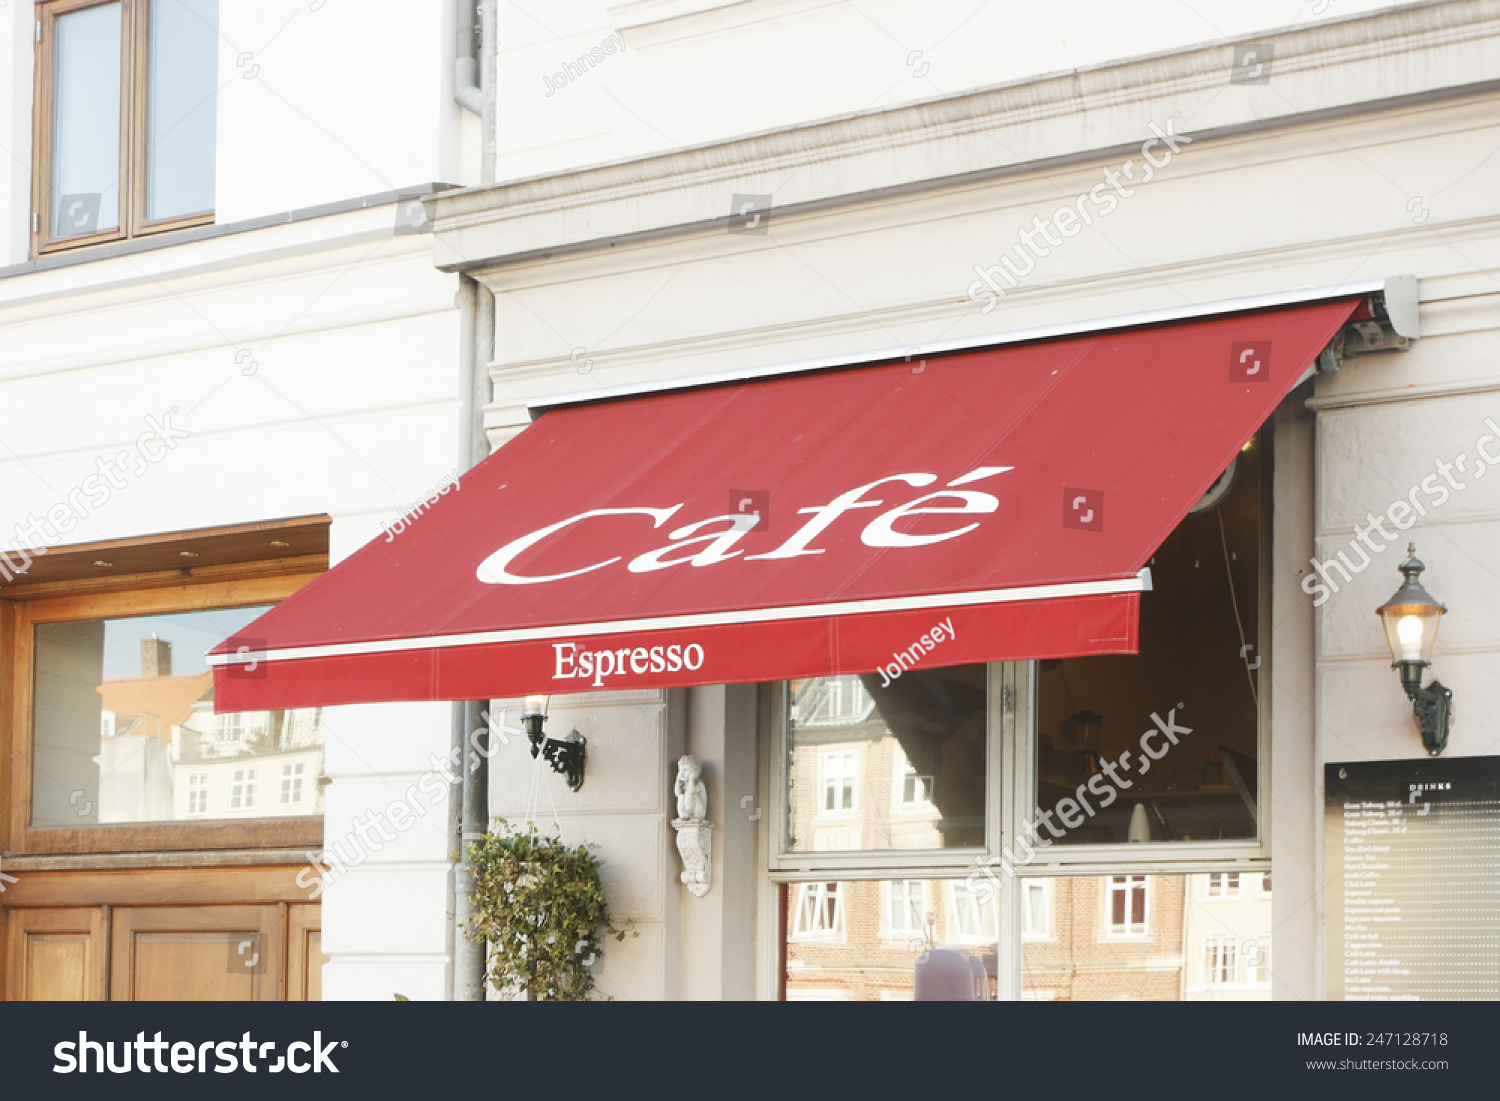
{"x":694,"y":830}
{"x":692,"y":792}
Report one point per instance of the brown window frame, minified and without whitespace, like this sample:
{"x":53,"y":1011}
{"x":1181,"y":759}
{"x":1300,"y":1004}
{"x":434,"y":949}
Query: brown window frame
{"x":67,"y":596}
{"x":135,"y":35}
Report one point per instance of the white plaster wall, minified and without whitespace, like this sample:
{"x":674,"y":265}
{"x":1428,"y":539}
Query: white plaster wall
{"x":335,"y":100}
{"x":16,"y":52}
{"x":386,"y":922}
{"x":700,"y":71}
{"x":624,"y":808}
{"x":315,"y":368}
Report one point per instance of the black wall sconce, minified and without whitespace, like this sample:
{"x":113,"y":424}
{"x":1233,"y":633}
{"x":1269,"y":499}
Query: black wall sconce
{"x":1410,"y":618}
{"x":565,"y":756}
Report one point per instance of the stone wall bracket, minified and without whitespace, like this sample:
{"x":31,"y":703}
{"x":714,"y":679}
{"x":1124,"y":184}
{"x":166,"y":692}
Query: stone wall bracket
{"x":695,"y":843}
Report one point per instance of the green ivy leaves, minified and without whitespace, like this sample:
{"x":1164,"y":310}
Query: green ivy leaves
{"x":540,"y":905}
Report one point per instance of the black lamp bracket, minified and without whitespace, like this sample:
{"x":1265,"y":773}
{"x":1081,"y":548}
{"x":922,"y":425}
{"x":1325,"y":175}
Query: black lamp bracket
{"x":1432,"y":705}
{"x":566,"y":756}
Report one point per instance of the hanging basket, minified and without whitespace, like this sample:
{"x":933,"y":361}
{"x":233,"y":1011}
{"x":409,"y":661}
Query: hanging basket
{"x":540,"y":905}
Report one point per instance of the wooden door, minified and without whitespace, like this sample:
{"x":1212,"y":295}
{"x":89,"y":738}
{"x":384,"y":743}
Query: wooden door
{"x":57,"y":955}
{"x":197,"y":934}
{"x":305,"y":958}
{"x":197,"y":954}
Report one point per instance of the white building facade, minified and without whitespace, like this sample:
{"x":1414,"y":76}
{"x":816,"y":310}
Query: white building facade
{"x":686,"y":188}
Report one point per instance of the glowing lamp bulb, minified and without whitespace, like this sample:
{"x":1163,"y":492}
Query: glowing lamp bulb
{"x":1409,"y":634}
{"x":534,"y":704}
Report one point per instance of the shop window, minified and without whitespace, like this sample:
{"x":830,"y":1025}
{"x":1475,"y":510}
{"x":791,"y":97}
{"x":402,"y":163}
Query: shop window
{"x":1105,"y":921}
{"x":1128,"y":911}
{"x":1084,"y":959}
{"x":1219,"y":960}
{"x":125,"y":110}
{"x":832,"y":701}
{"x":886,"y":949}
{"x":924,"y":738}
{"x":1223,"y":884}
{"x":109,"y":704}
{"x":148,"y":675}
{"x":1163,"y":746}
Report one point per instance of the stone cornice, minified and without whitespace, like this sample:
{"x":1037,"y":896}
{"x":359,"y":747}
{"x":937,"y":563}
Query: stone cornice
{"x":1326,"y":70}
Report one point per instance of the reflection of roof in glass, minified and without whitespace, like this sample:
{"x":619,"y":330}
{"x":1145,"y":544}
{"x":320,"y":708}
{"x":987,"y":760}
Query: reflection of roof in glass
{"x":831,"y":701}
{"x":164,"y":701}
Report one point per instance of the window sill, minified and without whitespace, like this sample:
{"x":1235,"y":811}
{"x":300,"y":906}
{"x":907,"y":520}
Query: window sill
{"x":61,"y":256}
{"x":203,"y":858}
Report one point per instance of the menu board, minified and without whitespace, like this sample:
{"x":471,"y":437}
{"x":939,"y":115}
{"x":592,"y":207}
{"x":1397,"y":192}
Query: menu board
{"x":1413,"y":872}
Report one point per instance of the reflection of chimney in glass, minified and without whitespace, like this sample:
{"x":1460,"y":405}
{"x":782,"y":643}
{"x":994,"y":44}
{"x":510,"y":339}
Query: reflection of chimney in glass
{"x":156,"y":657}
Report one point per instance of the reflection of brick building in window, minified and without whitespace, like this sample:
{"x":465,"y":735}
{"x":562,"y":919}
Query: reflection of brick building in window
{"x":853,"y":786}
{"x":1107,"y":938}
{"x":861,"y":940}
{"x":875,"y":770}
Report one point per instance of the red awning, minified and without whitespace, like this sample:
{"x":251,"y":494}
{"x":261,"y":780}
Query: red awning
{"x":986,"y":506}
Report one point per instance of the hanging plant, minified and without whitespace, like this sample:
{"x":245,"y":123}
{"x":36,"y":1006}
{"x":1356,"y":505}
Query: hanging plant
{"x":540,"y":905}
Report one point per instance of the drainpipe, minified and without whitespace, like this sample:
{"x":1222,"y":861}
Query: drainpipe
{"x":466,"y":87}
{"x":474,"y":77}
{"x":469,"y":818}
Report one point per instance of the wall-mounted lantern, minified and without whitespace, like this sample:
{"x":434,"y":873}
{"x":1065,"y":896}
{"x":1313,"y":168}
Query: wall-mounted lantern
{"x":1411,"y":619}
{"x":565,"y":756}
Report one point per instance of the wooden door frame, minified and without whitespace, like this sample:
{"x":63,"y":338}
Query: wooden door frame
{"x":302,"y":919}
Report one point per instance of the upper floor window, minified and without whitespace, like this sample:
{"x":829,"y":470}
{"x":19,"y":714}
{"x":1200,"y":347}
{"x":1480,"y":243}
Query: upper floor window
{"x":1220,"y":961}
{"x":1223,"y":884}
{"x":819,"y":911}
{"x":908,"y":907}
{"x":124,"y":119}
{"x":1035,"y":909}
{"x":1127,"y":905}
{"x":840,"y":778}
{"x":913,"y":790}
